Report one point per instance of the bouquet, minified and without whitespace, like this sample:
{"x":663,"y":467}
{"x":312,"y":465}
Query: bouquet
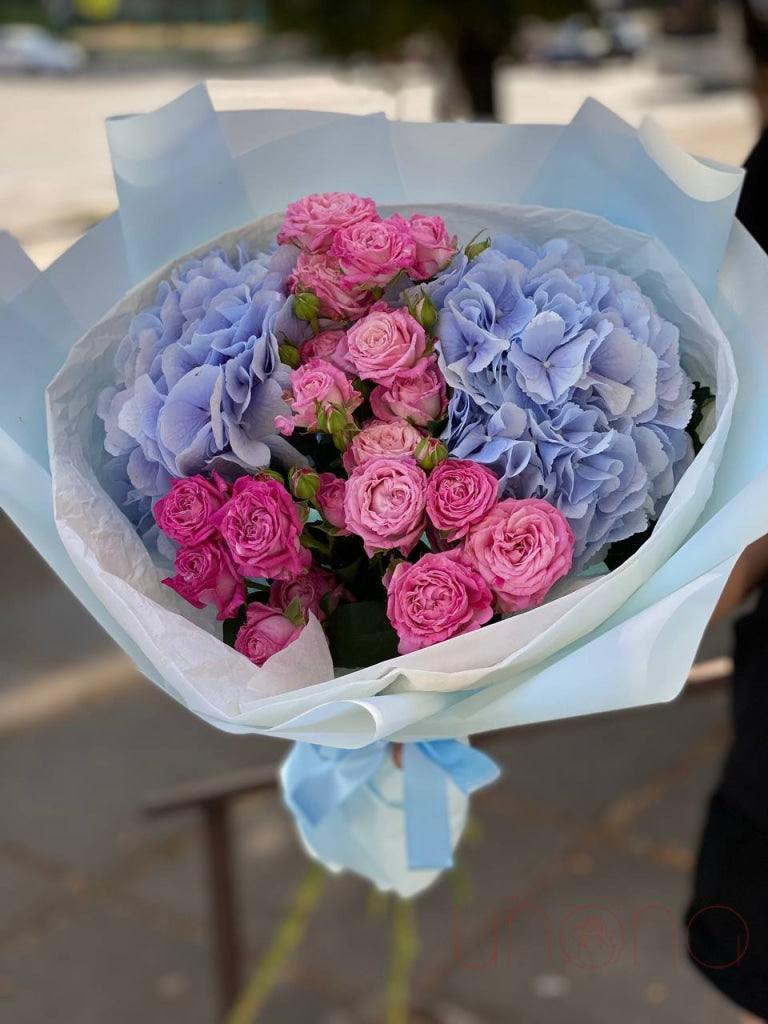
{"x":379,"y":475}
{"x":507,"y":417}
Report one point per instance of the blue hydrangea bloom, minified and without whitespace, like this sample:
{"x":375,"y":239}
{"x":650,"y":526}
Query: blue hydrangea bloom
{"x":567,"y":383}
{"x":198,"y":377}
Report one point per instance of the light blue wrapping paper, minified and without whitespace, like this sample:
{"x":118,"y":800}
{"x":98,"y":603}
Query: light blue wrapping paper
{"x":186,"y":174}
{"x":635,"y":178}
{"x":151,"y":154}
{"x":25,"y":487}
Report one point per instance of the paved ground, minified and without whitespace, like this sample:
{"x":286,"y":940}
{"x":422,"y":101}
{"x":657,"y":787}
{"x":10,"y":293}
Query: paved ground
{"x":103,"y":916}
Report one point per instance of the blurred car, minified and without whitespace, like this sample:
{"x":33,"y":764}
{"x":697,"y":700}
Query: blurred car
{"x":583,"y":39}
{"x":33,"y":50}
{"x":576,"y":40}
{"x":628,"y":35}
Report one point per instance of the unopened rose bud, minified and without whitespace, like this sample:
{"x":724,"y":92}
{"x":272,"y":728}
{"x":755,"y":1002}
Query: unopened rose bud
{"x":344,"y":436}
{"x":474,"y":248}
{"x":289,"y":355}
{"x":303,"y":483}
{"x":269,"y":474}
{"x":430,"y":452}
{"x":425,"y":311}
{"x":342,"y":440}
{"x":338,"y":420}
{"x":321,"y":417}
{"x":306,"y":306}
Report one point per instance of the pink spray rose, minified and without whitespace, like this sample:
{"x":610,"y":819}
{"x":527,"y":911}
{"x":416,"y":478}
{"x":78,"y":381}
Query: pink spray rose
{"x":393,"y":440}
{"x":384,"y":343}
{"x":435,"y":248}
{"x":206,"y":574}
{"x":261,"y":526}
{"x":184,"y":513}
{"x":373,"y":252}
{"x":326,"y":345}
{"x":384,"y":504}
{"x":417,"y":395}
{"x":520,"y":549}
{"x":265,"y":632}
{"x":311,"y":222}
{"x":317,"y":590}
{"x":459,"y":494}
{"x":321,"y":275}
{"x":318,"y":386}
{"x":438,"y":597}
{"x":330,"y":501}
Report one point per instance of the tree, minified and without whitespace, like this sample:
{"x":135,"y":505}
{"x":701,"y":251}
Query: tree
{"x":475,"y":33}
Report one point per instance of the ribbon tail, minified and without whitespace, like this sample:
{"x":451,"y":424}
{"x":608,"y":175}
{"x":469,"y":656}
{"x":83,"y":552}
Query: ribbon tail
{"x":427,"y":816}
{"x":467,"y":767}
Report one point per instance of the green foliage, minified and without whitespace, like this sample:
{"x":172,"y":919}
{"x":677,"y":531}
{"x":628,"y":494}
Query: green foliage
{"x":30,"y":12}
{"x":619,"y":552}
{"x":360,"y":634}
{"x":702,"y":399}
{"x":347,"y":27}
{"x":231,"y":627}
{"x":319,"y":450}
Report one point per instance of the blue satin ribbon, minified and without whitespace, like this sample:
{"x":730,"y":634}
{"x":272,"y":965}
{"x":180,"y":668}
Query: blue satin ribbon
{"x":323,"y":778}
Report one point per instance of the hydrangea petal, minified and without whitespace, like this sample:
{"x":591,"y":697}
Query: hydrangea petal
{"x":596,"y":371}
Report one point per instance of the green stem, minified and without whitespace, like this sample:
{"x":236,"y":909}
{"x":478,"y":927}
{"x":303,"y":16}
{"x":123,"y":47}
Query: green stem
{"x":287,"y":939}
{"x":404,"y":950}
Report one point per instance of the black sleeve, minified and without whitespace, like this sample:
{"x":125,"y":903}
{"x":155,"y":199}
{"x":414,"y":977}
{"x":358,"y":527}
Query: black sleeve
{"x":752,"y":210}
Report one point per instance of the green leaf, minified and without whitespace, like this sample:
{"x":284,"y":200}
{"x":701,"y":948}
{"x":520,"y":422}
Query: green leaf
{"x":294,"y":613}
{"x":258,"y":586}
{"x":365,"y":387}
{"x":436,"y":427}
{"x":360,"y":634}
{"x":702,"y":399}
{"x":314,"y":543}
{"x":348,"y":572}
{"x":231,"y":627}
{"x":619,"y":552}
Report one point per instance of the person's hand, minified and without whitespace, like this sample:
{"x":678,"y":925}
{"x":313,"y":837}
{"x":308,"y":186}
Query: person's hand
{"x":748,"y":573}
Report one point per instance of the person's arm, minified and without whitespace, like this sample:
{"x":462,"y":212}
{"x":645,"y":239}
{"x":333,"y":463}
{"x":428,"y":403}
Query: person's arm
{"x":748,"y":573}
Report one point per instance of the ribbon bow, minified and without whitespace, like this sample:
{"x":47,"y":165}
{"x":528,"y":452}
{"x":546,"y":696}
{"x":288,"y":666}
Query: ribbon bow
{"x":323,"y":778}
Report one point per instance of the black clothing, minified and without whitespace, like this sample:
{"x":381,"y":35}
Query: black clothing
{"x":728,"y":917}
{"x":729,"y":944}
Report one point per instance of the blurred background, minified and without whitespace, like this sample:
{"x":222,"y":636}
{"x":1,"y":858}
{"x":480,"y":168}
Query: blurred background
{"x":105,"y":910}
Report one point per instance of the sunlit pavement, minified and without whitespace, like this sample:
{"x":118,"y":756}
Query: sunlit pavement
{"x":103,"y":915}
{"x":55,"y":176}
